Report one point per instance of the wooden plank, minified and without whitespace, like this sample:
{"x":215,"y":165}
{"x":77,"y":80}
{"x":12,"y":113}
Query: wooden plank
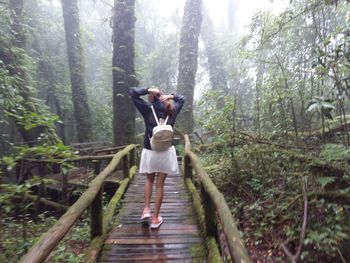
{"x":151,"y":233}
{"x":150,"y":257}
{"x":138,"y":247}
{"x":155,"y":241}
{"x":174,"y":241}
{"x":164,"y":227}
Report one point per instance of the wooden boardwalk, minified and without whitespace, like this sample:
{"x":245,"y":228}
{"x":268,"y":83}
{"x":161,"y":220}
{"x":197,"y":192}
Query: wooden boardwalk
{"x":177,"y":240}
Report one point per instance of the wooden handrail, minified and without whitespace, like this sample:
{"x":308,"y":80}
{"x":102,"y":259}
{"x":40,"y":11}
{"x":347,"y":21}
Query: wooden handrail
{"x":109,"y":149}
{"x":76,"y":159}
{"x":49,"y":240}
{"x":233,"y":238}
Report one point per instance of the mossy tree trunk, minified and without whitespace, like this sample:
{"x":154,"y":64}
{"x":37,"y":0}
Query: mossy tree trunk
{"x":191,"y":25}
{"x":13,"y":55}
{"x":123,"y":71}
{"x":77,"y":70}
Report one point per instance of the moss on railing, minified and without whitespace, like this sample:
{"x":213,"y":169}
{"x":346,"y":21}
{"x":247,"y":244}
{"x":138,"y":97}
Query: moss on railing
{"x":214,"y":199}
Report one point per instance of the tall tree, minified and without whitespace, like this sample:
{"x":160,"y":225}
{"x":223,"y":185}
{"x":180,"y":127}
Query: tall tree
{"x":21,"y":106}
{"x":46,"y":76}
{"x":232,"y":17}
{"x":217,"y":74}
{"x":123,"y":71}
{"x":76,"y":68}
{"x":191,"y":25}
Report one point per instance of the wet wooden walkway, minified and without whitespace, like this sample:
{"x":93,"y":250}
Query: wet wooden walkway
{"x":177,"y":240}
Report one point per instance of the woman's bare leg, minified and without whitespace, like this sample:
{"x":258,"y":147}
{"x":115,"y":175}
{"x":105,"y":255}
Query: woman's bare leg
{"x":159,"y":194}
{"x":148,"y":190}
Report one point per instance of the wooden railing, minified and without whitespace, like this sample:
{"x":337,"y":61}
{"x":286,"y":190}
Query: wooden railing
{"x":213,"y":210}
{"x":91,"y":197}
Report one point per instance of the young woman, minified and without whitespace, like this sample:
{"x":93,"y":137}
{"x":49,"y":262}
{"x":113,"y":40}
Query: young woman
{"x":156,"y":164}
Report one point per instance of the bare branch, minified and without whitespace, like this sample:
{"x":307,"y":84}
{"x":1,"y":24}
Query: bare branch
{"x":295,"y":258}
{"x":303,"y":229}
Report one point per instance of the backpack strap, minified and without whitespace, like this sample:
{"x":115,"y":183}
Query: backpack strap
{"x":155,"y":116}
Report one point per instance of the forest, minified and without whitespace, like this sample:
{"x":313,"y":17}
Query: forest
{"x":267,"y":87}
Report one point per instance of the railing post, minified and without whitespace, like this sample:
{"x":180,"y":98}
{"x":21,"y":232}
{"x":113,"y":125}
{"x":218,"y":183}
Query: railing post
{"x":188,"y":167}
{"x":126,"y":166}
{"x":96,"y":207}
{"x":210,"y":212}
{"x":97,"y":166}
{"x":132,"y":160}
{"x":64,"y":185}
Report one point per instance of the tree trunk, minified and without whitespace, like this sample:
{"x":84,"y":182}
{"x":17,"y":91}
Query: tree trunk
{"x":232,"y":17}
{"x":76,"y":68}
{"x":46,"y":78}
{"x":258,"y":87}
{"x":123,"y":71}
{"x":191,"y":25}
{"x":13,"y":62}
{"x":217,"y":72}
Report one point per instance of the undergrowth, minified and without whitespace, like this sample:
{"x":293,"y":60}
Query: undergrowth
{"x":13,"y":246}
{"x":263,"y":187}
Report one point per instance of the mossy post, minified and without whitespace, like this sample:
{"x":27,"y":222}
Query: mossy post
{"x":64,"y":186}
{"x":96,"y":207}
{"x":210,"y":212}
{"x":96,"y":215}
{"x":188,"y":168}
{"x":125,"y":166}
{"x":132,"y":158}
{"x":187,"y":161}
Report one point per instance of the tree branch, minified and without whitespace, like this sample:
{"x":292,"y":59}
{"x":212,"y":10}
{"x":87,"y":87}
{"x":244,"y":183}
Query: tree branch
{"x":295,"y":258}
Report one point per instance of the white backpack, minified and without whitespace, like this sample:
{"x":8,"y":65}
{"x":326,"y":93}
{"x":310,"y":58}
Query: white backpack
{"x":163,"y":134}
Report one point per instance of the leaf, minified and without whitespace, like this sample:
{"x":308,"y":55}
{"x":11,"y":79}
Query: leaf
{"x":327,"y":105}
{"x":312,"y":107}
{"x":325,"y":180}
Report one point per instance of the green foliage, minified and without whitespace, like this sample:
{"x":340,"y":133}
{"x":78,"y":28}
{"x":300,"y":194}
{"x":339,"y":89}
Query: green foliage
{"x":9,"y":94}
{"x":55,"y":153}
{"x":219,"y":121}
{"x":70,"y":250}
{"x":11,"y":192}
{"x":263,"y":189}
{"x":49,"y":152}
{"x":335,"y":152}
{"x":30,"y":120}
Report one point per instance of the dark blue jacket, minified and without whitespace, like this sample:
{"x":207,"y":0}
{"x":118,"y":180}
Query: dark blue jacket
{"x":145,"y":109}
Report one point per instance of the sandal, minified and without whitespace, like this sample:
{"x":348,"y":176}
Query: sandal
{"x":156,"y":225}
{"x":146,"y":216}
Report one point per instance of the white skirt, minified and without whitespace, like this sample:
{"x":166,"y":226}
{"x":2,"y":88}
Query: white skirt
{"x":159,"y":162}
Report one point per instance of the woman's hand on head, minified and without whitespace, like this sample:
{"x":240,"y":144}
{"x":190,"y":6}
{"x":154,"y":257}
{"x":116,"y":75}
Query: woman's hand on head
{"x":166,"y":97}
{"x":154,"y":91}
